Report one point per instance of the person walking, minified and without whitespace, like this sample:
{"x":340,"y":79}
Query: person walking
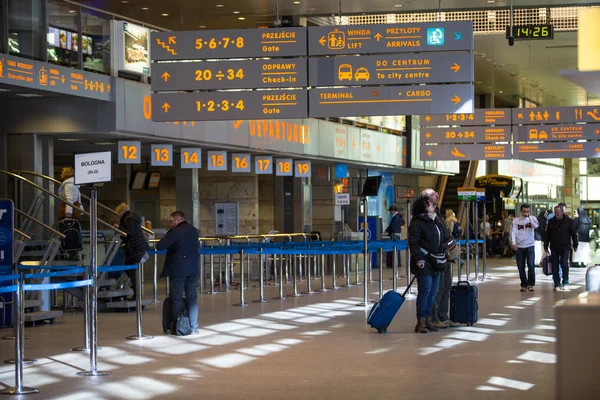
{"x":69,"y":192}
{"x":394,"y":229}
{"x":181,"y":266}
{"x":583,"y":224}
{"x":561,"y":236}
{"x":522,"y":237}
{"x":426,"y":236}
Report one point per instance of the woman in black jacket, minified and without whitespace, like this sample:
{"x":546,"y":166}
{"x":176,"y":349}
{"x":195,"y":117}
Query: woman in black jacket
{"x":426,"y":236}
{"x":134,"y":244}
{"x":583,"y":224}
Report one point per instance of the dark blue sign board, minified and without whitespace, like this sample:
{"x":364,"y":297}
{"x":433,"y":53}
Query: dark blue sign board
{"x":6,"y":256}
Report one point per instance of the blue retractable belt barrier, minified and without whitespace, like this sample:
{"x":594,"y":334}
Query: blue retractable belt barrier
{"x":56,"y":286}
{"x":153,"y":252}
{"x":8,"y":289}
{"x":71,"y":271}
{"x":56,"y":267}
{"x":112,"y":268}
{"x":9,"y":277}
{"x":472,"y":241}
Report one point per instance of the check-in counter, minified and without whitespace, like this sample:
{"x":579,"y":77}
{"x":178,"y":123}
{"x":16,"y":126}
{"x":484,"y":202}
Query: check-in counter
{"x":577,"y":347}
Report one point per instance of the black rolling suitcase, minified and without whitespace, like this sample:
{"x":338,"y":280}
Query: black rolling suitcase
{"x":183,"y":326}
{"x":464,"y":307}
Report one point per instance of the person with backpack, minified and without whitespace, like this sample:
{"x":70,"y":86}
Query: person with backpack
{"x":134,"y":246}
{"x":394,"y":229}
{"x":453,"y":224}
{"x":68,"y":216}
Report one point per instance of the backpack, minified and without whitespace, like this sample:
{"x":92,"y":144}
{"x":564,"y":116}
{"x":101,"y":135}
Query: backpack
{"x":183,"y":325}
{"x":71,"y":228}
{"x":457,"y":231}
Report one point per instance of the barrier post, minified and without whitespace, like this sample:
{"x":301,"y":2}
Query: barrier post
{"x":484,"y":249}
{"x":408,"y":217}
{"x":281,"y":296}
{"x":155,"y":278}
{"x":262,"y":281}
{"x":380,"y":273}
{"x":275,"y":272}
{"x":139,"y":305}
{"x":212,"y":275}
{"x":295,"y":278}
{"x":357,"y":258}
{"x":94,"y":289}
{"x":395,"y":271}
{"x":323,"y":289}
{"x":19,"y":389}
{"x":334,"y":272}
{"x":308,"y":277}
{"x":241,"y":303}
{"x":220,"y":272}
{"x":86,"y":317}
{"x":228,"y":269}
{"x":468,"y":238}
{"x":476,"y":223}
{"x":366,"y":255}
{"x":347,"y":266}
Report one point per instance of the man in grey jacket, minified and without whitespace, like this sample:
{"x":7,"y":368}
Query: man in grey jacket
{"x":522,"y":237}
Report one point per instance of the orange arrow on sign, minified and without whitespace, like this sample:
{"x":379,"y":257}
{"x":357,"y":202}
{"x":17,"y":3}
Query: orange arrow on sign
{"x":455,"y":67}
{"x":378,"y":148}
{"x":428,"y":135}
{"x":455,"y":99}
{"x":108,"y":88}
{"x":172,"y":40}
{"x":428,"y":118}
{"x":597,"y":131}
{"x":322,"y":41}
{"x":429,"y":153}
{"x":166,"y":107}
{"x":597,"y":149}
{"x":166,"y":76}
{"x":62,"y":79}
{"x":378,"y":37}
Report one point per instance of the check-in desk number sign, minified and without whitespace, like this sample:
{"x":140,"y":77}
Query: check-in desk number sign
{"x":263,"y":165}
{"x":240,"y":163}
{"x":129,"y":152}
{"x":303,"y":169}
{"x":162,"y":155}
{"x":284,"y":167}
{"x":217,"y":161}
{"x":191,"y":158}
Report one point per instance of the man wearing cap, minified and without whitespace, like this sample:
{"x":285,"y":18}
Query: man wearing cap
{"x":394,"y":229}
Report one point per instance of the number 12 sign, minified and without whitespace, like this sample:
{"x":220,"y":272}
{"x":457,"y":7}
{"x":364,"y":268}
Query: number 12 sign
{"x":191,"y":157}
{"x":129,"y":152}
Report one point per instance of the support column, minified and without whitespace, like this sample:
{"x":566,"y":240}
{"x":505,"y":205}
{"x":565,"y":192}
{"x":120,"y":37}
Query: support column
{"x":572,"y":186}
{"x":187,"y":188}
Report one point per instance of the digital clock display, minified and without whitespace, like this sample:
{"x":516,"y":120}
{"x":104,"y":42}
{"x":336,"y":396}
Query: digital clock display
{"x":531,"y":32}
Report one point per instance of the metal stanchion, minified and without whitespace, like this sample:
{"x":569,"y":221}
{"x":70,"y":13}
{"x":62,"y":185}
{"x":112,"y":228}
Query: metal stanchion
{"x":295,"y":279}
{"x":300,"y":267}
{"x":308,"y":278}
{"x":287,"y":268}
{"x":281,"y":296}
{"x":407,"y":258}
{"x":395,"y":271}
{"x":468,"y":239}
{"x":357,"y":264}
{"x":262,"y":281}
{"x":94,"y":289}
{"x":248,"y":271}
{"x":155,"y":279}
{"x":139,"y":305}
{"x":347,"y":267}
{"x":228,"y":269}
{"x":334,"y":272}
{"x":19,"y":389}
{"x":220,"y":272}
{"x":242,"y":303}
{"x":476,"y":223}
{"x":212,"y":275}
{"x":86,"y":317}
{"x":484,"y":249}
{"x":380,"y":273}
{"x":323,"y":289}
{"x":366,"y":256}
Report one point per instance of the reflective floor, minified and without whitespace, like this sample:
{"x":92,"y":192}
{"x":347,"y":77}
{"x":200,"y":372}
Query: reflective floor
{"x":313,"y":347}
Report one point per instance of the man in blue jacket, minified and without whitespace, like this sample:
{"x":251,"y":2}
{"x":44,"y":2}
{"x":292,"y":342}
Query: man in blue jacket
{"x":181,"y":266}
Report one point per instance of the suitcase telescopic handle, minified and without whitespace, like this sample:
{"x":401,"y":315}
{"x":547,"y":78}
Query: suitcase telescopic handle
{"x":409,"y":285}
{"x":463,"y":283}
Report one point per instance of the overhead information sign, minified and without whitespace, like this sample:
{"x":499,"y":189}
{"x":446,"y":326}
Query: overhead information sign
{"x":555,"y":115}
{"x":303,"y":169}
{"x":474,"y":134}
{"x":247,"y":74}
{"x":530,"y":151}
{"x":229,"y":43}
{"x":466,"y":152}
{"x":481,"y":116}
{"x":38,"y":75}
{"x":219,"y":106}
{"x":548,"y":133}
{"x":392,"y":69}
{"x":93,"y":168}
{"x":390,"y":38}
{"x":390,"y":100}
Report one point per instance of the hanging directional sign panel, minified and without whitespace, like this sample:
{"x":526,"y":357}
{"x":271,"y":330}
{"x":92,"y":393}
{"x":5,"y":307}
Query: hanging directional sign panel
{"x":396,"y":69}
{"x":531,"y":151}
{"x":240,"y":162}
{"x":161,"y":155}
{"x":217,"y":161}
{"x":229,"y":43}
{"x":219,"y":106}
{"x":191,"y":157}
{"x":474,"y":134}
{"x":549,"y":133}
{"x":248,"y":74}
{"x":391,"y":100}
{"x":130,"y":152}
{"x":481,"y":116}
{"x":466,"y":152}
{"x":263,"y":165}
{"x":555,"y":115}
{"x":390,"y":38}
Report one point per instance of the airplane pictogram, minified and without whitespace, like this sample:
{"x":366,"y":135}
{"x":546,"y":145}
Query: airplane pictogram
{"x":456,"y":153}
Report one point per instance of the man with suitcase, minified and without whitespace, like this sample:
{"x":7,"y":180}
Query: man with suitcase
{"x":181,"y":267}
{"x":522,"y":237}
{"x":561,"y":235}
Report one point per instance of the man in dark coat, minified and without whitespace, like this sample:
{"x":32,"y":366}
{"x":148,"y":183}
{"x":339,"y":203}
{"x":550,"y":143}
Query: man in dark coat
{"x":394,"y":229}
{"x":561,"y":235}
{"x":181,"y":266}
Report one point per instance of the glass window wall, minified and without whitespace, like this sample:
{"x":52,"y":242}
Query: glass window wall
{"x":26,"y":23}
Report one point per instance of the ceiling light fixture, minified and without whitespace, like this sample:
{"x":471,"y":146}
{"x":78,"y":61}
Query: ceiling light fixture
{"x":491,"y":1}
{"x":241,"y":18}
{"x":165,"y":15}
{"x":236,"y":12}
{"x":145,"y":8}
{"x":124,"y":1}
{"x":220,"y":6}
{"x":70,"y":140}
{"x":500,"y":91}
{"x":72,"y":11}
{"x":397,"y":5}
{"x":297,"y":2}
{"x":29,"y":95}
{"x":202,"y":26}
{"x":104,"y":143}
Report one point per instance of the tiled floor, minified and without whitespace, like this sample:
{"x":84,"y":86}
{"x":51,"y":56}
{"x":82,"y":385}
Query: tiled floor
{"x":313,"y":347}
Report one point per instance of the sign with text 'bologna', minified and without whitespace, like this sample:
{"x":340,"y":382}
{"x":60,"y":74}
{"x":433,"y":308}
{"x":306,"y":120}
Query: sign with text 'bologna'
{"x":228,"y":43}
{"x":390,"y":100}
{"x":557,"y":133}
{"x":249,"y":74}
{"x":394,"y":69}
{"x":390,"y":38}
{"x":473,"y":134}
{"x":466,"y":152}
{"x":235,"y":105}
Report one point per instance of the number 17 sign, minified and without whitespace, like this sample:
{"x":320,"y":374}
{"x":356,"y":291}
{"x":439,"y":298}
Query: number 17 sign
{"x":263,"y":165}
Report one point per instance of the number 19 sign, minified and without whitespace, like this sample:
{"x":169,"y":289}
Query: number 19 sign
{"x":302,"y":169}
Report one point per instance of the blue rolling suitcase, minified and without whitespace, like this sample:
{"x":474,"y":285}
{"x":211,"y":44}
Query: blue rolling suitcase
{"x":463,"y":303}
{"x":383,"y":312}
